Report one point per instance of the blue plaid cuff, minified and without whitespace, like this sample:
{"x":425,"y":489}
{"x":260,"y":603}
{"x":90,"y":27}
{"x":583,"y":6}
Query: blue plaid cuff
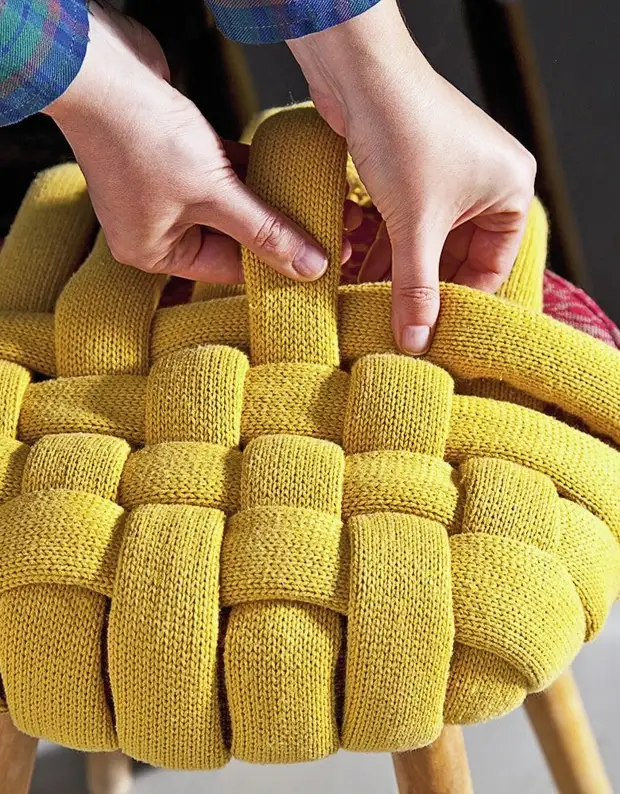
{"x":42,"y":46}
{"x":269,"y":21}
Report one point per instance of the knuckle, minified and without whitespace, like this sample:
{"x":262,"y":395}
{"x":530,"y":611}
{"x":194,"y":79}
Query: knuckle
{"x":526,"y":173}
{"x":419,"y":296}
{"x":274,"y":238}
{"x":135,"y":257}
{"x":122,"y":253}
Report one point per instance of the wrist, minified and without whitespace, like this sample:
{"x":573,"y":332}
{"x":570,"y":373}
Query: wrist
{"x":120,"y":57}
{"x":355,"y":64}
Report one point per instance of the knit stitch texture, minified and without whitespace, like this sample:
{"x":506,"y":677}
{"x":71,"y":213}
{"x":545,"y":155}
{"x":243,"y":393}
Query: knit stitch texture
{"x":248,"y":526}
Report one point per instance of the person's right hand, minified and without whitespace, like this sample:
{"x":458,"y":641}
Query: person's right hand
{"x":160,"y":180}
{"x":452,"y":186}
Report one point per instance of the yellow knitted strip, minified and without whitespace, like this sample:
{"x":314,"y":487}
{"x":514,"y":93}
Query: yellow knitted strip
{"x":103,"y":317}
{"x":207,"y":292}
{"x":292,"y":153}
{"x":78,"y":546}
{"x":28,"y":339}
{"x":214,"y":322}
{"x":163,"y":637}
{"x":400,"y":624}
{"x":51,"y":468}
{"x":281,"y":656}
{"x":14,"y":381}
{"x":48,"y":240}
{"x":13,"y":456}
{"x":581,"y":467}
{"x":183,"y":472}
{"x":400,"y":632}
{"x":524,"y":286}
{"x":542,"y":356}
{"x":297,"y":398}
{"x":303,"y":557}
{"x":401,"y":482}
{"x":52,"y":635}
{"x":163,"y":633}
{"x":478,"y":336}
{"x":591,"y":555}
{"x":103,"y":404}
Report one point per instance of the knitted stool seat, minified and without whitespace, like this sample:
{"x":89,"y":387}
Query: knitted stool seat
{"x":248,"y":526}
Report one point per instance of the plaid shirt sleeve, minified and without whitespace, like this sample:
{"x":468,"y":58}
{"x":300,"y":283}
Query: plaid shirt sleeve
{"x":269,"y":21}
{"x":42,"y":46}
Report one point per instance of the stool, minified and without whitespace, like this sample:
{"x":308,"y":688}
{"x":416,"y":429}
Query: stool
{"x":352,"y":505}
{"x":557,"y":716}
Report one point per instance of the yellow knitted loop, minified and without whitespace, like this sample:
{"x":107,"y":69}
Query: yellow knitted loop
{"x":183,"y":472}
{"x":48,"y":240}
{"x":103,"y":317}
{"x":301,"y":399}
{"x":400,"y":482}
{"x":106,"y":404}
{"x":292,"y":321}
{"x":281,"y":473}
{"x":400,"y":610}
{"x":52,"y":672}
{"x":290,"y":553}
{"x":79,"y":548}
{"x":28,"y":339}
{"x":166,"y":592}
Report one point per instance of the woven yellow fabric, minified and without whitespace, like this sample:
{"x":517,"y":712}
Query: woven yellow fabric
{"x":247,"y":526}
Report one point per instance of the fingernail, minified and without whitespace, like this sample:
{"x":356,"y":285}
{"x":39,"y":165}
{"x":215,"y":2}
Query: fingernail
{"x":415,"y":339}
{"x":309,"y":263}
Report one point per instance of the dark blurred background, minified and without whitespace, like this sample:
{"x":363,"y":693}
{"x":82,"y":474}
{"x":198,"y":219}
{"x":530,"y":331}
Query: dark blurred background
{"x":548,"y":71}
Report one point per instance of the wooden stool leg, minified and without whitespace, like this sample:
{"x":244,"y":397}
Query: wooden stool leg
{"x":566,"y":739}
{"x":108,"y":773}
{"x":441,"y":768}
{"x":17,"y":755}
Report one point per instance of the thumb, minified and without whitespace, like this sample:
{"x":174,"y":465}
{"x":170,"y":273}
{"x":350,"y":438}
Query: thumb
{"x":415,"y":285}
{"x":271,"y":235}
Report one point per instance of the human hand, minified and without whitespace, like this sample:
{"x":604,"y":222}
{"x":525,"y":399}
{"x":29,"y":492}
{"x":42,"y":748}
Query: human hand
{"x":452,"y":186}
{"x":163,"y":185}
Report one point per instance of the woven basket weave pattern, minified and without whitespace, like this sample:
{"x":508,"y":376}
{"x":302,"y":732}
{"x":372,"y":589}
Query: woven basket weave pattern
{"x":247,"y":526}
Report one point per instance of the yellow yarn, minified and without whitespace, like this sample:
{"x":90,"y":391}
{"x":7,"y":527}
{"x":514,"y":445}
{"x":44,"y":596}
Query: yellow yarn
{"x":247,"y":526}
